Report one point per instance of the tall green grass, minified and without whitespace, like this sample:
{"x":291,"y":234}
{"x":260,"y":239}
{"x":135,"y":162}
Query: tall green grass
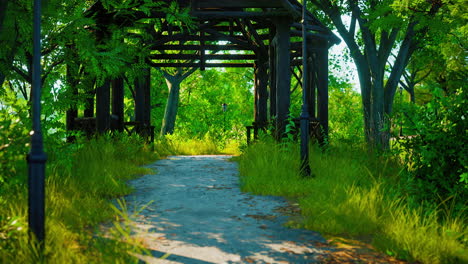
{"x":355,"y":194}
{"x":206,"y":145}
{"x":82,"y":180}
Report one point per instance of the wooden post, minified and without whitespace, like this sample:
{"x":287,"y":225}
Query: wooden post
{"x":272,"y":74}
{"x":89,"y":108}
{"x":261,"y":92}
{"x":283,"y":74}
{"x":147,"y":101}
{"x":142,"y":102}
{"x":256,"y":92}
{"x":312,"y":72}
{"x":322,"y":89}
{"x":305,"y":118}
{"x":72,"y":112}
{"x":103,"y":107}
{"x":118,"y":104}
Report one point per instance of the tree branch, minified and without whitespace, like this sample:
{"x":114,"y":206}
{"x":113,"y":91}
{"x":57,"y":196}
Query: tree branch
{"x":189,"y":72}
{"x":51,"y":67}
{"x":25,"y":76}
{"x":352,"y":27}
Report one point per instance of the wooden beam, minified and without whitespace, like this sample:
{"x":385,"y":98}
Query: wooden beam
{"x":252,"y":33}
{"x":236,"y":4}
{"x":298,"y":78}
{"x":237,"y":14}
{"x":206,"y":57}
{"x":215,"y":36}
{"x":310,"y":35}
{"x":235,"y":40}
{"x":207,"y":65}
{"x":197,"y":47}
{"x":309,"y":27}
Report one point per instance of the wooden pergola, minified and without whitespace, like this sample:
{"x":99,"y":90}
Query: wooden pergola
{"x":263,"y":34}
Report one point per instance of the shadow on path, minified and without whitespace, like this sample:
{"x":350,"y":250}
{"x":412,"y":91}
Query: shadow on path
{"x":199,"y":215}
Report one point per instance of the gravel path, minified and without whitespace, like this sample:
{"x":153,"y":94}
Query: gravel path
{"x":200,"y":216}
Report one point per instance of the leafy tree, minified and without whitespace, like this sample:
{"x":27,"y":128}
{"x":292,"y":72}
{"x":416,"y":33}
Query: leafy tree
{"x":202,"y":97}
{"x":346,"y":122}
{"x":375,"y":30}
{"x":173,"y":82}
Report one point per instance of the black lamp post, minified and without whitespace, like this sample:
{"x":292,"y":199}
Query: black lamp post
{"x":36,"y":157}
{"x":305,"y":167}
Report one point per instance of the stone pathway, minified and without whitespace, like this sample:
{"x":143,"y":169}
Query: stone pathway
{"x":200,"y":216}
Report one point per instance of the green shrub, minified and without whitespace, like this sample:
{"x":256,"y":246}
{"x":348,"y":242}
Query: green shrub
{"x":437,"y":157}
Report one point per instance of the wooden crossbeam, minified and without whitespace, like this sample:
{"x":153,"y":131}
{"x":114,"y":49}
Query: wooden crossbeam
{"x":206,"y":57}
{"x":216,"y":36}
{"x":220,"y":28}
{"x":234,"y":39}
{"x":197,"y":47}
{"x":237,"y":14}
{"x":207,"y":65}
{"x":236,"y":3}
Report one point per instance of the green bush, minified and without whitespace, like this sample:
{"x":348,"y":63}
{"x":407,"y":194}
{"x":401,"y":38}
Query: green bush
{"x":437,"y":157}
{"x":14,"y":142}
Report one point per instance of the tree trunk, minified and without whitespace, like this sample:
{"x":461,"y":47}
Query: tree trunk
{"x":412,"y":95}
{"x":170,"y":114}
{"x":372,"y":95}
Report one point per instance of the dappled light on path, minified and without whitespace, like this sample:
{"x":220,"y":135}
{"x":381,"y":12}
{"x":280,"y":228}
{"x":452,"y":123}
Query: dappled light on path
{"x":198,"y":215}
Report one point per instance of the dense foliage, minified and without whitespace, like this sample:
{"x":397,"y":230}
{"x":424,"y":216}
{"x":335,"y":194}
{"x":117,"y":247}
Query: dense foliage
{"x":437,"y":154}
{"x":430,"y":131}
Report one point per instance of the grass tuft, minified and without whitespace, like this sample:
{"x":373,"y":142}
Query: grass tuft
{"x":82,"y":180}
{"x":354,"y":194}
{"x":206,"y":145}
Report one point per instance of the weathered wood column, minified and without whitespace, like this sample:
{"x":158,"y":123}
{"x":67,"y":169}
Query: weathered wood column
{"x":312,"y":91}
{"x":117,"y":104}
{"x":283,"y":74}
{"x":142,"y":102}
{"x":72,"y":112}
{"x":272,"y":74}
{"x":261,"y":93}
{"x":103,"y":107}
{"x":305,"y":117}
{"x":322,"y":88}
{"x":89,"y":103}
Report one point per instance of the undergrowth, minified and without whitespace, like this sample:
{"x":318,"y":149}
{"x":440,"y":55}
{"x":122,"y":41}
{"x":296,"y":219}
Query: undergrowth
{"x":82,"y":179}
{"x":356,"y":194}
{"x":205,"y":145}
